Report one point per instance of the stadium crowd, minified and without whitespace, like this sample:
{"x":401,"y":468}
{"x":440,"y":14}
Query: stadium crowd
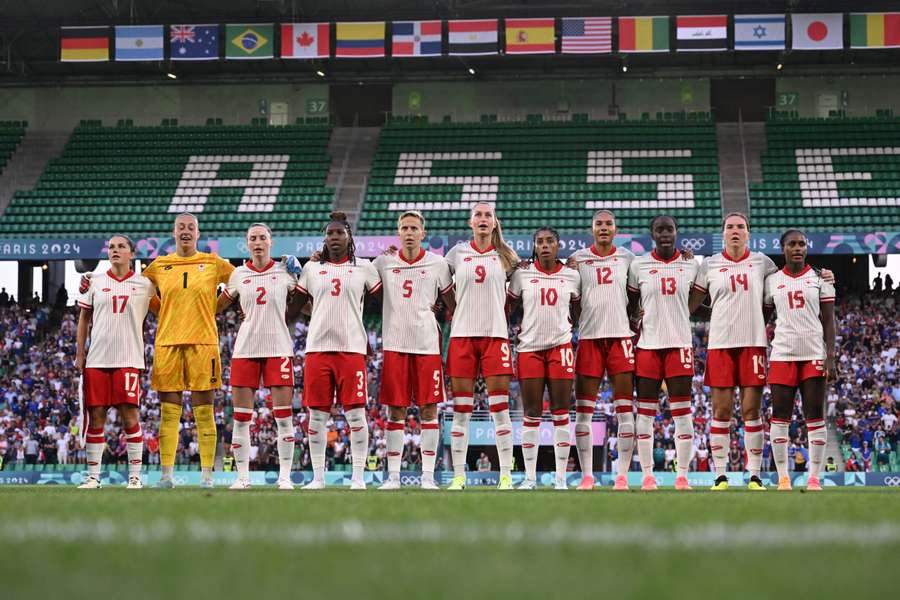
{"x":39,"y":399}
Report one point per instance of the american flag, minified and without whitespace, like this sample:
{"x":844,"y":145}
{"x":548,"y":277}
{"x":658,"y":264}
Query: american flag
{"x":587,"y":36}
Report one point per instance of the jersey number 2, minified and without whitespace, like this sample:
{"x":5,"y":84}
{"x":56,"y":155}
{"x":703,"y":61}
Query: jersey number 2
{"x":261,"y":299}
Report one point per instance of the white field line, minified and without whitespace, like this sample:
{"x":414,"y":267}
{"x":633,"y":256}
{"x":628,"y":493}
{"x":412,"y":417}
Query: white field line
{"x":352,"y":532}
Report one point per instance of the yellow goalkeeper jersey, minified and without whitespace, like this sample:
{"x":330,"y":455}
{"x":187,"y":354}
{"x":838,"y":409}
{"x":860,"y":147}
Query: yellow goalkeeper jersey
{"x":187,"y":288}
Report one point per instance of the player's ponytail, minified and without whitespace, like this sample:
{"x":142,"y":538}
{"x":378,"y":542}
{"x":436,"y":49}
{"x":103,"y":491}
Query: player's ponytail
{"x":340,"y":218}
{"x":508,"y":257}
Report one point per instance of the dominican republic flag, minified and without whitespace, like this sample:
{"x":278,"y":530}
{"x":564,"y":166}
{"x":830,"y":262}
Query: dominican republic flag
{"x":416,"y":38}
{"x":817,"y":32}
{"x":759,"y":32}
{"x":305,"y":40}
{"x":701,"y":33}
{"x":590,"y":35}
{"x":472,"y":37}
{"x":139,"y":42}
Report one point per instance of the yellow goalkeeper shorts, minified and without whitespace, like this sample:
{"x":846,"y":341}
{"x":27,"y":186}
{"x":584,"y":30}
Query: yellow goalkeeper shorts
{"x":196,"y":367}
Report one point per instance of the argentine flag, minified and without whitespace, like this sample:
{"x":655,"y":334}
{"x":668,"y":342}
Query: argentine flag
{"x":139,"y":42}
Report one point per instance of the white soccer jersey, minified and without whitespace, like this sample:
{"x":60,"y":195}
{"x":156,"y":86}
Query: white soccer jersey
{"x":604,"y":297}
{"x":797,"y":300}
{"x":665,"y":288}
{"x":117,"y":332}
{"x":546,"y":299}
{"x":263,"y":296}
{"x":736,"y":288}
{"x":338,"y":291}
{"x":409,"y":290}
{"x":480,"y":282}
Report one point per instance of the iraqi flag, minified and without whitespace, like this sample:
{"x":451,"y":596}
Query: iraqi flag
{"x":416,"y":38}
{"x":817,"y":31}
{"x":472,"y":37}
{"x":305,"y":40}
{"x":701,"y":33}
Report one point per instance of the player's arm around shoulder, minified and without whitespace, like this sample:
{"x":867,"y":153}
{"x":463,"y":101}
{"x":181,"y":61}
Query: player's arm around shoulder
{"x":300,"y":297}
{"x":85,"y":320}
{"x":699,"y":292}
{"x":229,"y":294}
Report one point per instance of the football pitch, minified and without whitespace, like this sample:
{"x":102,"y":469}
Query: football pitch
{"x":190,"y":543}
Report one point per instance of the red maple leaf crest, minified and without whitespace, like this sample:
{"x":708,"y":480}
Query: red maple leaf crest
{"x":306,"y":39}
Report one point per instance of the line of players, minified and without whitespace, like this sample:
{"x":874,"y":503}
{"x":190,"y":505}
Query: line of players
{"x":608,"y":291}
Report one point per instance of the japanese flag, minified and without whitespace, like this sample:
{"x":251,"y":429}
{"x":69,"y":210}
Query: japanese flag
{"x":818,"y":31}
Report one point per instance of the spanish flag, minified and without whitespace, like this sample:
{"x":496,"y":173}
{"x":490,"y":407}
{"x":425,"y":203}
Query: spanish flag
{"x":84,"y":44}
{"x":530,"y":36}
{"x":359,"y":40}
{"x":643,"y":34}
{"x":875,"y":30}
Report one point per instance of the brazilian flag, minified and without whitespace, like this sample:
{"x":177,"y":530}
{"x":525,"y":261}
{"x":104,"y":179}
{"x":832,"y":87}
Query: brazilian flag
{"x":249,"y":41}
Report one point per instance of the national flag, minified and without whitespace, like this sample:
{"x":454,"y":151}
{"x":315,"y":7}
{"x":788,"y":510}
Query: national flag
{"x":249,"y":41}
{"x":701,"y":32}
{"x":194,"y":42}
{"x":759,"y":32}
{"x":139,"y":42}
{"x":416,"y":38}
{"x":530,"y":36}
{"x":305,"y":40}
{"x":643,"y":34}
{"x":84,"y":44}
{"x":591,"y":35}
{"x":875,"y":30}
{"x":359,"y":40}
{"x":817,"y":31}
{"x":472,"y":37}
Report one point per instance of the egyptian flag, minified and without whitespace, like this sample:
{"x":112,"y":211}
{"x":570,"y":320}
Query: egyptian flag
{"x":84,"y":44}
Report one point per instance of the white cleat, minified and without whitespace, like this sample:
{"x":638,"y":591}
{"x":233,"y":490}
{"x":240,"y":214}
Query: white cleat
{"x":91,"y":483}
{"x":165,"y":484}
{"x":390,"y":485}
{"x":429,"y":484}
{"x":560,"y":484}
{"x":315,"y":484}
{"x":134,"y":483}
{"x":285,"y":484}
{"x":207,"y":483}
{"x":528,"y":484}
{"x":241,"y":483}
{"x":358,"y":485}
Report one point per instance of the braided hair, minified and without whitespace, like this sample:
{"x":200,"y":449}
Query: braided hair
{"x":548,"y":229}
{"x":341,"y":219}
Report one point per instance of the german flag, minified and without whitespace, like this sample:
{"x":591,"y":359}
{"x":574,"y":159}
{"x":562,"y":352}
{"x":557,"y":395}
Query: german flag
{"x":84,"y":44}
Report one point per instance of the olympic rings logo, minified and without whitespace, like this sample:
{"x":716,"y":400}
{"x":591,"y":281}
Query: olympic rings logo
{"x":411,"y":480}
{"x":892,"y":481}
{"x":693,"y":244}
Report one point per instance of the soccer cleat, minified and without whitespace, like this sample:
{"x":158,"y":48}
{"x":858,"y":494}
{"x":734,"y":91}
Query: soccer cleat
{"x":207,"y":483}
{"x":390,"y":484}
{"x":527,"y":484}
{"x":621,"y":484}
{"x":649,"y":484}
{"x":134,"y":483}
{"x":813,"y":485}
{"x":721,"y":484}
{"x":285,"y":484}
{"x":681,"y":483}
{"x":756,"y":484}
{"x":315,"y":484}
{"x":458,"y":483}
{"x":505,"y":483}
{"x":587,"y":483}
{"x":784,"y":484}
{"x":429,"y":484}
{"x":165,"y":484}
{"x":560,"y":484}
{"x":240,"y":483}
{"x":91,"y":483}
{"x":357,"y":485}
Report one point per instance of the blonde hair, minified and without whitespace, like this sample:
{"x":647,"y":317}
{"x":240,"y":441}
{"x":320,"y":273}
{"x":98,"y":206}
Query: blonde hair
{"x":411,"y":213}
{"x":508,"y":257}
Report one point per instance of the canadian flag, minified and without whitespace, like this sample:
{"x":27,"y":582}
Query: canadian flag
{"x":817,"y":31}
{"x":305,"y":40}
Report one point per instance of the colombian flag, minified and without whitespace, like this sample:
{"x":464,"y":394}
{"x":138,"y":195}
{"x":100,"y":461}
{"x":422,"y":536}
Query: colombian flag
{"x":530,"y":36}
{"x":875,"y":30}
{"x":84,"y":44}
{"x":359,"y":40}
{"x":643,"y":34}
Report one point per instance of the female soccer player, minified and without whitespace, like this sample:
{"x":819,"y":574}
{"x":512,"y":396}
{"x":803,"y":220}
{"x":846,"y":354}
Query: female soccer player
{"x":263,"y":350}
{"x":412,"y":281}
{"x":336,"y":344}
{"x":605,"y":344}
{"x":802,"y":354}
{"x":479,"y":338}
{"x":660,"y":284}
{"x":547,"y":290}
{"x":112,"y":312}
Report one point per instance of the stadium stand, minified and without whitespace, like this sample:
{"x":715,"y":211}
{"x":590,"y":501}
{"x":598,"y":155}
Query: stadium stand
{"x":537,"y":172}
{"x":845,"y":169}
{"x":131,"y":179}
{"x":11,"y":133}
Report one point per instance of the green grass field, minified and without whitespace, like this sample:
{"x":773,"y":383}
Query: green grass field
{"x":256,"y":544}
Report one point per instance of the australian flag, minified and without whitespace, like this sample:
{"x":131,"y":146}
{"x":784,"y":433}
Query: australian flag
{"x":194,"y":42}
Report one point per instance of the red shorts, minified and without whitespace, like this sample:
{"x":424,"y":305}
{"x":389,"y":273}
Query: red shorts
{"x":468,"y":354}
{"x":110,"y":387}
{"x":274,"y":371}
{"x":791,"y":373}
{"x":729,"y":367}
{"x":610,"y":355}
{"x":664,"y":363}
{"x":552,"y":363}
{"x":405,"y":375}
{"x":330,"y":374}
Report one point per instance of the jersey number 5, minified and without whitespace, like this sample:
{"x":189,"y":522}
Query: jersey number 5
{"x":407,"y":288}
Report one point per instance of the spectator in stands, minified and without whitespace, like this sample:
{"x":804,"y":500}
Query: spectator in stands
{"x":877,"y":283}
{"x":888,"y":283}
{"x":4,"y":298}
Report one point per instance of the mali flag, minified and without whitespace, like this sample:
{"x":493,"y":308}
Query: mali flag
{"x":84,"y":44}
{"x":249,"y":41}
{"x":530,"y":36}
{"x":359,"y":40}
{"x":643,"y":34}
{"x":875,"y":30}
